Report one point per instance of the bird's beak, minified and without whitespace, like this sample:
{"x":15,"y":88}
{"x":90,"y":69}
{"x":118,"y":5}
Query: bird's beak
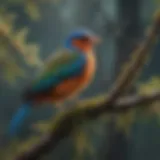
{"x":96,"y":40}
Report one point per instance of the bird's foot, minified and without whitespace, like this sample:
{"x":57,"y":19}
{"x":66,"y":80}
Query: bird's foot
{"x":60,"y":107}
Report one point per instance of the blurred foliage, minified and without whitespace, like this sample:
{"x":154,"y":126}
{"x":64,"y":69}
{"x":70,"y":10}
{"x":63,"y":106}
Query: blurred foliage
{"x":31,"y":7}
{"x":126,"y":119}
{"x":15,"y":50}
{"x":157,"y":1}
{"x":12,"y":149}
{"x":84,"y":134}
{"x":149,"y":87}
{"x":83,"y":144}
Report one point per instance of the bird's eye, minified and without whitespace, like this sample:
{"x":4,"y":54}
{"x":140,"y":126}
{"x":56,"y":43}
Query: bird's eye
{"x":83,"y":39}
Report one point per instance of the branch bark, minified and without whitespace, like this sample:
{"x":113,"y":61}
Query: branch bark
{"x":61,"y":130}
{"x":66,"y":122}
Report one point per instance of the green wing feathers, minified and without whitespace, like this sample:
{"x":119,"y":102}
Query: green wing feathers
{"x":62,"y":66}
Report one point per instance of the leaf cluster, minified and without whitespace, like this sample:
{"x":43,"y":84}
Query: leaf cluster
{"x":15,"y":52}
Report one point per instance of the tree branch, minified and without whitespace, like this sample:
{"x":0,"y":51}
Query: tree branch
{"x":135,"y":101}
{"x":51,"y":140}
{"x":66,"y":122}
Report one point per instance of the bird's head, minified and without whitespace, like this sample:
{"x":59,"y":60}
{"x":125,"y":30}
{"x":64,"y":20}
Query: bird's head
{"x":82,"y":40}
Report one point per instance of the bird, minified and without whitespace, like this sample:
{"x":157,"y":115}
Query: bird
{"x":64,"y":75}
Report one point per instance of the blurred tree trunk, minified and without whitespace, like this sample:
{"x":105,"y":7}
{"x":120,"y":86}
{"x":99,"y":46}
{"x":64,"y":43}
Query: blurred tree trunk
{"x":116,"y":146}
{"x":129,"y":15}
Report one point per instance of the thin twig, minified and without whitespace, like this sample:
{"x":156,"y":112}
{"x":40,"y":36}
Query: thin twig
{"x":135,"y":101}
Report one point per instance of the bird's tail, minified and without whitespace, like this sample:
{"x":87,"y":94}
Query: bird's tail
{"x":18,"y":118}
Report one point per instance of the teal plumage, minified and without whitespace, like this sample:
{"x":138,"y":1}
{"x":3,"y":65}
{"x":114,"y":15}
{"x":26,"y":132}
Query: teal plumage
{"x":62,"y":66}
{"x":59,"y":68}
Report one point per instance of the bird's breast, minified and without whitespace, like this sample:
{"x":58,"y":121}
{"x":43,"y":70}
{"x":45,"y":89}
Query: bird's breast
{"x":89,"y":69}
{"x":75,"y":85}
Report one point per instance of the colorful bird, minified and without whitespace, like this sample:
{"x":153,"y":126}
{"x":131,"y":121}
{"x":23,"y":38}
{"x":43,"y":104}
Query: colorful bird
{"x":65,"y":75}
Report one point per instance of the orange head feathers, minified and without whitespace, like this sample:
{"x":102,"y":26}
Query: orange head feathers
{"x":82,"y":40}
